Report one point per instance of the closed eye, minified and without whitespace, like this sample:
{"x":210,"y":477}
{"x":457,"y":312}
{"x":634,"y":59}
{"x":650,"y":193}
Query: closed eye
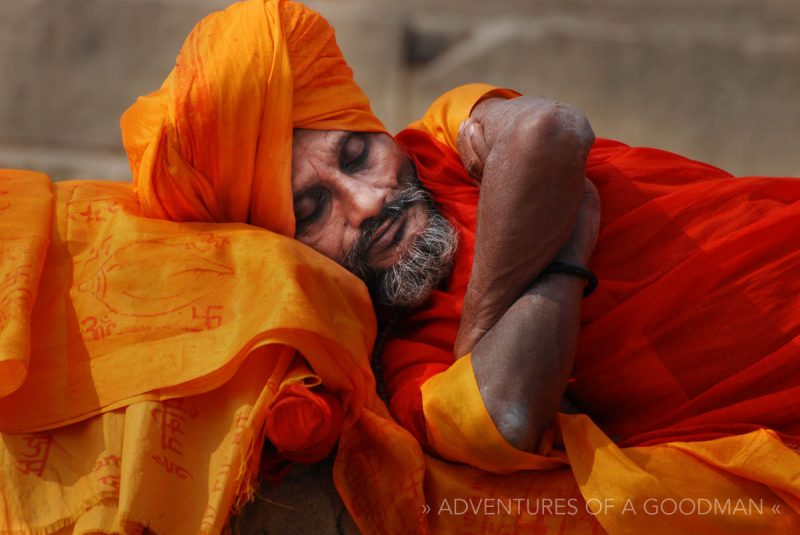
{"x":309,"y":208}
{"x":354,"y":152}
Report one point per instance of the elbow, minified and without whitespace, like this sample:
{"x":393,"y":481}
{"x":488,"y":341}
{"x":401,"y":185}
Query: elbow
{"x":517,"y":425}
{"x":560,"y":138}
{"x":557,"y":124}
{"x":575,"y":125}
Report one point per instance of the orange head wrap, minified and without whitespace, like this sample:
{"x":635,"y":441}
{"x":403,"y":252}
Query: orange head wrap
{"x":214,"y":142}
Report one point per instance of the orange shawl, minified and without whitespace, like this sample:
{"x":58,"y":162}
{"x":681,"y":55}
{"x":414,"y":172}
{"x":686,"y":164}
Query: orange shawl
{"x":140,"y":354}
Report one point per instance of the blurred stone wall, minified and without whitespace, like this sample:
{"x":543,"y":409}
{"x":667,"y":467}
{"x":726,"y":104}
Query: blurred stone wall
{"x":717,"y":80}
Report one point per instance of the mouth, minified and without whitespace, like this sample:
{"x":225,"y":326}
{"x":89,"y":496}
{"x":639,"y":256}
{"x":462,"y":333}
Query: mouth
{"x":388,"y":234}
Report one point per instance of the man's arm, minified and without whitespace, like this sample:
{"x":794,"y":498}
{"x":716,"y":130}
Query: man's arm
{"x":529,"y":155}
{"x":523,"y":362}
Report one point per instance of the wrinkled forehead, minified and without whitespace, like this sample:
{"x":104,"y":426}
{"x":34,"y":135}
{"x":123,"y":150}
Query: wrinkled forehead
{"x":326,"y":146}
{"x":305,"y":137}
{"x":306,"y":141}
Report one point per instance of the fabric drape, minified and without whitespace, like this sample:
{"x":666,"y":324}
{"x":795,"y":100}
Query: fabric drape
{"x":142,"y":356}
{"x":688,"y":349}
{"x":118,"y":303}
{"x":214,"y":142}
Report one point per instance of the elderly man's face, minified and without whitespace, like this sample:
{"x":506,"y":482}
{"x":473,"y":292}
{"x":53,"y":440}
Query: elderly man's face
{"x":357,"y":200}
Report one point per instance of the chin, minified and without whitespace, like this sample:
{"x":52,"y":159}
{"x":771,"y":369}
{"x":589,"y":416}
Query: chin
{"x":420,"y":268}
{"x":415,"y":223}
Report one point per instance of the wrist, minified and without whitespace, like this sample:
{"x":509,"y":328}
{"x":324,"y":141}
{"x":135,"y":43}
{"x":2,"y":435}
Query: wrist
{"x":576,"y":272}
{"x":574,"y":251}
{"x":572,"y":257}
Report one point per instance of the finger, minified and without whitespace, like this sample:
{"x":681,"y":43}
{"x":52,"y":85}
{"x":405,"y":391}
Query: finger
{"x":472,"y":163}
{"x":469,"y":158}
{"x":478,"y":141}
{"x":461,"y":140}
{"x":474,"y":147}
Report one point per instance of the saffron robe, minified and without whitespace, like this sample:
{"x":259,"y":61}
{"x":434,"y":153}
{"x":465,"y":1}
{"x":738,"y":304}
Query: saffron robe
{"x":689,"y":345}
{"x":693,"y":331}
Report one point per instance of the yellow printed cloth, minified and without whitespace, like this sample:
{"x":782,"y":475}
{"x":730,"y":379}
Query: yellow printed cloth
{"x":139,"y":356}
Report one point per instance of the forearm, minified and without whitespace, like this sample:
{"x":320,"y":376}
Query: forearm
{"x":531,"y":187}
{"x":523,"y":362}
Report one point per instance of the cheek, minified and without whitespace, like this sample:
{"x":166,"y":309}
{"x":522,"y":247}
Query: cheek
{"x":322,"y":243}
{"x":389,"y":157}
{"x":331,"y":240}
{"x":420,"y":221}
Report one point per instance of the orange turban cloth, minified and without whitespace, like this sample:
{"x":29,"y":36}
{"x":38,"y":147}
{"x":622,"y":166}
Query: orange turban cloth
{"x":214,"y":142}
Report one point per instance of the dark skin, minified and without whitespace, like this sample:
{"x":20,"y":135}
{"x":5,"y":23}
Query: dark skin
{"x":528,"y":156}
{"x":536,"y":206}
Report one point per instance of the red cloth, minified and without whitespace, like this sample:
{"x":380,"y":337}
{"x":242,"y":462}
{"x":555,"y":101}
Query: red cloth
{"x":303,"y":424}
{"x":694,"y":331}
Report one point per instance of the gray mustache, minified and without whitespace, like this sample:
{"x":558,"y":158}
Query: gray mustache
{"x":409,"y":196}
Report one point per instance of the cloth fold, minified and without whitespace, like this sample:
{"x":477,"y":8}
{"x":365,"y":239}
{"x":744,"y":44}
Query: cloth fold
{"x":303,"y":420}
{"x":741,"y":483}
{"x":174,"y":466}
{"x":26,"y":206}
{"x":132,"y":308}
{"x":151,"y":355}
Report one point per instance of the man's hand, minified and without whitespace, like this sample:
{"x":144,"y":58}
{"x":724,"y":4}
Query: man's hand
{"x":528,"y":154}
{"x":472,"y":148}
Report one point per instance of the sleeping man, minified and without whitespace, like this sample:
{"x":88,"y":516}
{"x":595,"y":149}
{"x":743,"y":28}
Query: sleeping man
{"x":481,"y":231}
{"x":517,"y":265}
{"x":358,"y":199}
{"x":475,"y":231}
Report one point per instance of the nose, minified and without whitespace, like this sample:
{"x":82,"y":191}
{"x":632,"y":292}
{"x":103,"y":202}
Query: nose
{"x":363,"y":202}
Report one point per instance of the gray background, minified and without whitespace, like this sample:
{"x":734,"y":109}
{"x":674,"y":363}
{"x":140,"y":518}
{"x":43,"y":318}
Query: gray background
{"x":716,"y":80}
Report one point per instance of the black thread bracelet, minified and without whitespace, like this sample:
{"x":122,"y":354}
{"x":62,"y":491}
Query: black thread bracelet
{"x":578,"y":271}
